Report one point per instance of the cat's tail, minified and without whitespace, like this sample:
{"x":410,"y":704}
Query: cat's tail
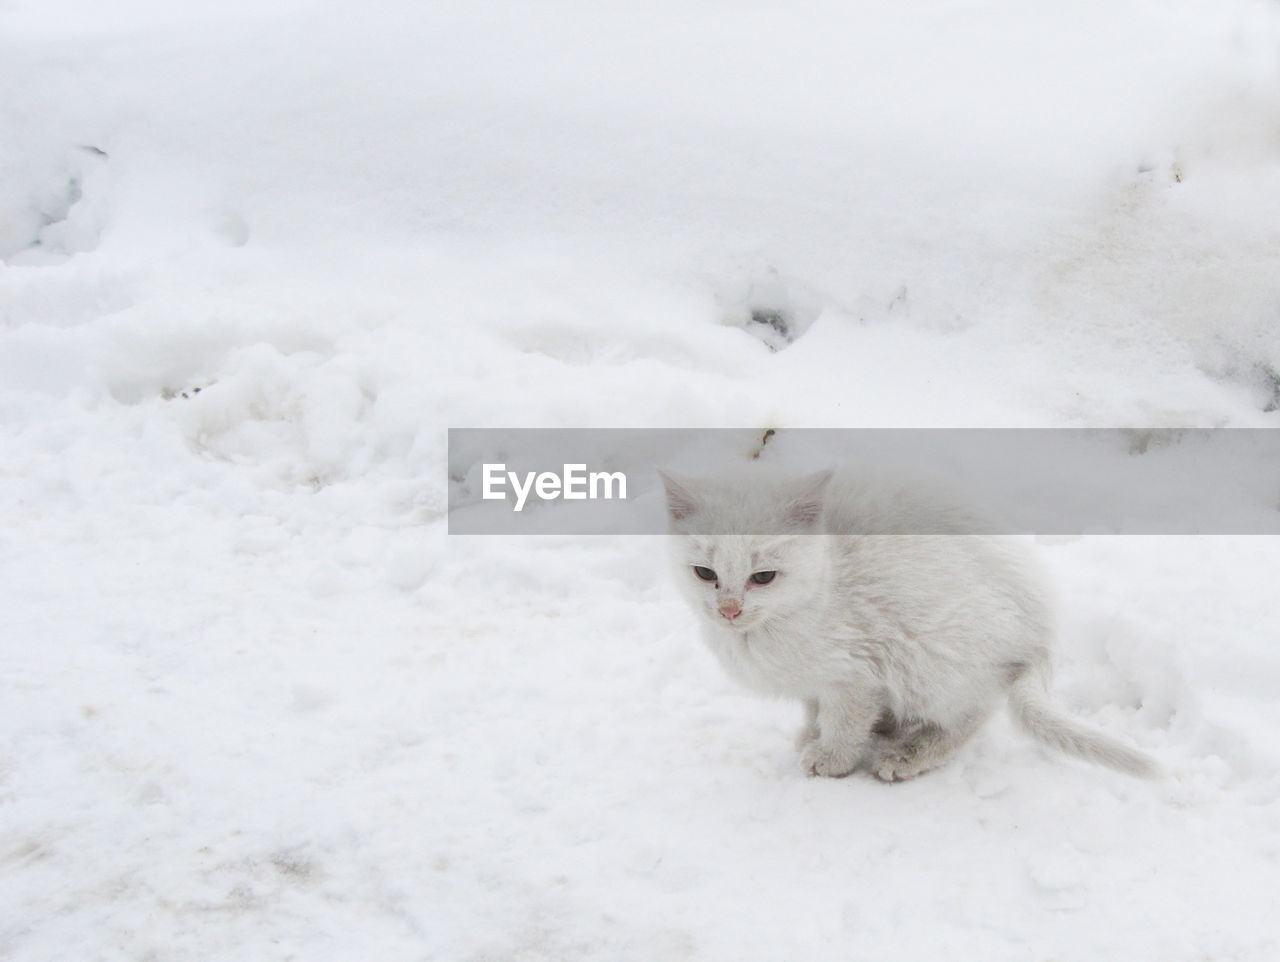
{"x":1032,"y":709}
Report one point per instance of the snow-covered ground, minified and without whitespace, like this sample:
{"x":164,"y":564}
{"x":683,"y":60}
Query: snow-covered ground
{"x":257,"y":258}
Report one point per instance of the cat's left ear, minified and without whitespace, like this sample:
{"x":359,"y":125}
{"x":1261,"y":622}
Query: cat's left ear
{"x":681,"y":502}
{"x":805,"y":507}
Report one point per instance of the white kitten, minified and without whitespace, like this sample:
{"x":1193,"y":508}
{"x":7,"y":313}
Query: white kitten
{"x":898,"y":626}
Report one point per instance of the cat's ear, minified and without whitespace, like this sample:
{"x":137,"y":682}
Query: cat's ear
{"x":681,"y":501}
{"x":805,"y":507}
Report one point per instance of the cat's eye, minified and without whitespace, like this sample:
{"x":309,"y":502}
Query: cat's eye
{"x":706,"y":574}
{"x":763,"y":577}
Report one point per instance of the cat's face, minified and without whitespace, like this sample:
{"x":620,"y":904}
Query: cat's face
{"x":742,"y":581}
{"x":747,"y":551}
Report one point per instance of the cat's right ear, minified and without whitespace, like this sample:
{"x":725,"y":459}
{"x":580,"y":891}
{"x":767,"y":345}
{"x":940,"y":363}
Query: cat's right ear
{"x":805,"y":507}
{"x":681,"y":502}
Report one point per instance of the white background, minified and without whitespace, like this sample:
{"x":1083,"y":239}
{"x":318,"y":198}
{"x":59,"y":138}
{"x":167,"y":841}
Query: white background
{"x":256,"y":704}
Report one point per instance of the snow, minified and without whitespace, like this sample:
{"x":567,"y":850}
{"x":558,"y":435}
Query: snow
{"x":257,"y":258}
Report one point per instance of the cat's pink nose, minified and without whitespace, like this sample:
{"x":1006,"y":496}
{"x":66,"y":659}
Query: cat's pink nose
{"x":730,"y":609}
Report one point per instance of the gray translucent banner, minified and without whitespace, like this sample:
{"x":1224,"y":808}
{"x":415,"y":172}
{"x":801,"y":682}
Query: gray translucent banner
{"x":1030,"y":481}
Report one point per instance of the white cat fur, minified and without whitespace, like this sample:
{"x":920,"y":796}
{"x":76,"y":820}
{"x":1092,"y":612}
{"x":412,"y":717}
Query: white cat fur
{"x":899,"y":628}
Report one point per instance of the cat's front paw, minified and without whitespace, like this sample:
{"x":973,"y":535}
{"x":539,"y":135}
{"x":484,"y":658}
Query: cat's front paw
{"x":894,"y":766}
{"x":819,"y":759}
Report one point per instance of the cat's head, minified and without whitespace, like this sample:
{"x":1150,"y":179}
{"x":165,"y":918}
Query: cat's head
{"x":747,"y":547}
